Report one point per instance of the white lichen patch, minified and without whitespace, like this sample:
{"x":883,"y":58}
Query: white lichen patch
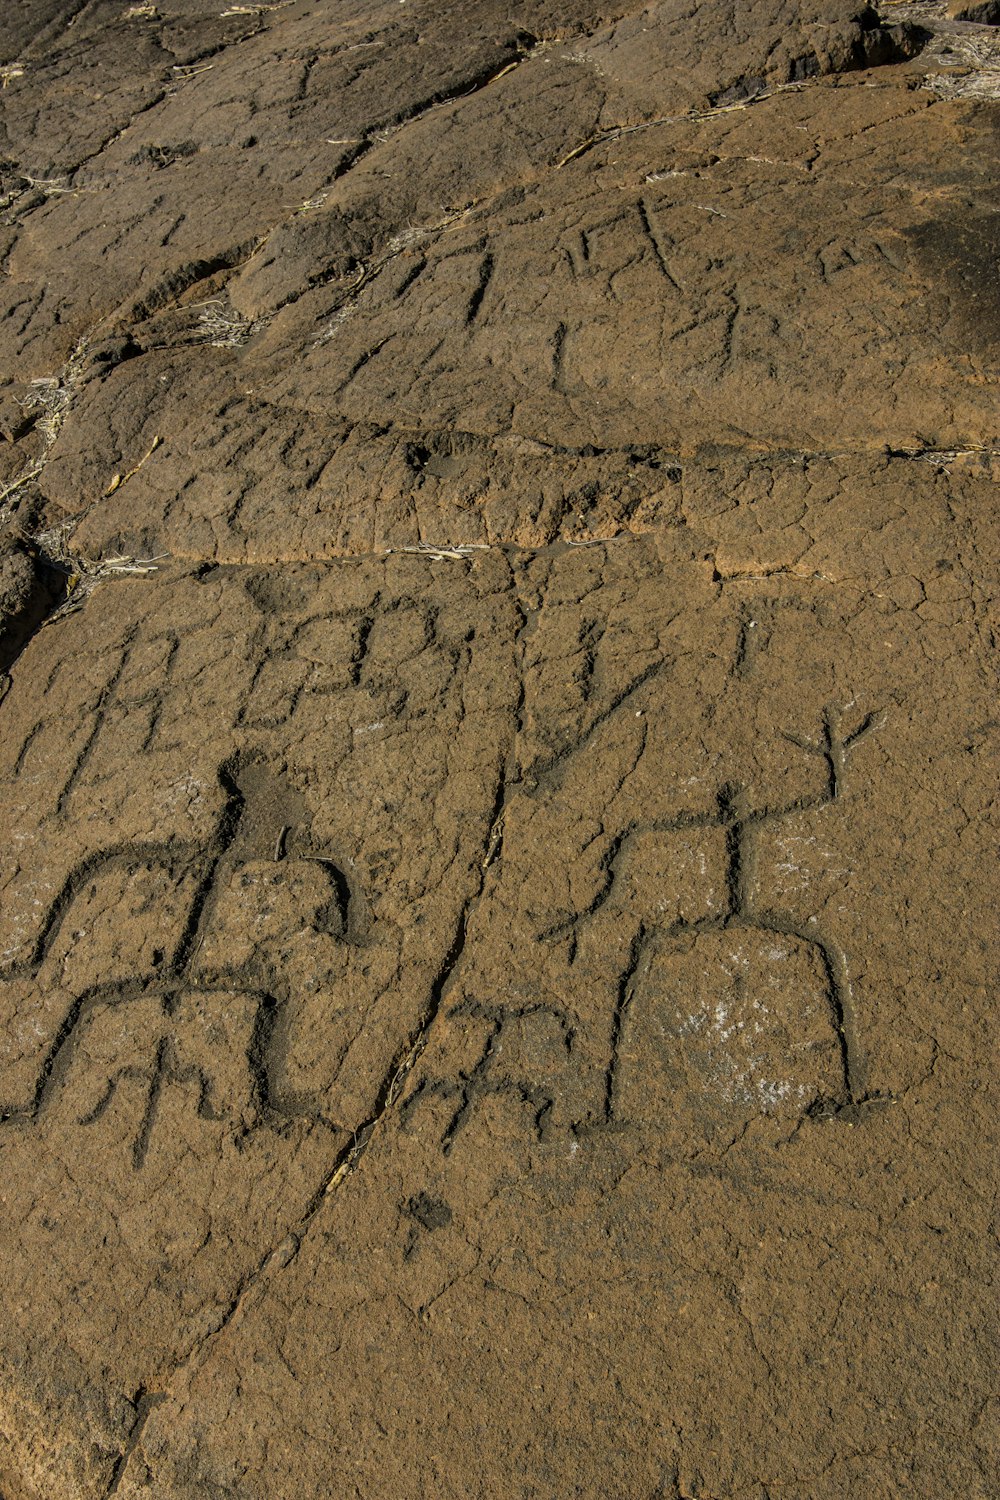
{"x":188,"y":793}
{"x":669,"y":875}
{"x":801,"y":860}
{"x":736,"y":1020}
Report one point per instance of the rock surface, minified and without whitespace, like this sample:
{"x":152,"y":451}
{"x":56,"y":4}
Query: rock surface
{"x":498,"y":900}
{"x":985,"y":11}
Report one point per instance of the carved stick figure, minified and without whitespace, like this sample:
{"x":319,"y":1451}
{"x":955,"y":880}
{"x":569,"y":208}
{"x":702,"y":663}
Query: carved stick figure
{"x":740,"y":823}
{"x":522,"y":1052}
{"x":149,"y":1027}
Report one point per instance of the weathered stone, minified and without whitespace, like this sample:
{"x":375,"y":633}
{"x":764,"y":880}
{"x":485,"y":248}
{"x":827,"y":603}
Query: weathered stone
{"x":496,"y":893}
{"x":986,"y":12}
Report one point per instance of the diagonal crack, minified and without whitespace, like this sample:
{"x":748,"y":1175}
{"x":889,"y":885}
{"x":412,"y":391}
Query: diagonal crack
{"x":278,"y":1256}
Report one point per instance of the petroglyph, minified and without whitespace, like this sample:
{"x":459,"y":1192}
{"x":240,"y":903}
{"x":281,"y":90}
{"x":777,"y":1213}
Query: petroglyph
{"x":213,"y":919}
{"x":759,"y":943}
{"x":497,"y":683}
{"x":755,"y":1003}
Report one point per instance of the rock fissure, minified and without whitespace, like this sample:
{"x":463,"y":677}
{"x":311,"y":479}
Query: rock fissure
{"x":492,"y":913}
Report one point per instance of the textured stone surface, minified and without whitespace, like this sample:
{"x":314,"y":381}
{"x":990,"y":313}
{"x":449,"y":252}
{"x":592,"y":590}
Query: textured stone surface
{"x":497,"y":890}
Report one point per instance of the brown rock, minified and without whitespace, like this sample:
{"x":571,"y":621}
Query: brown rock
{"x":27,"y":592}
{"x":986,"y":12}
{"x":496,"y":906}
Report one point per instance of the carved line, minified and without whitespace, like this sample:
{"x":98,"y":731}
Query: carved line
{"x":177,"y":859}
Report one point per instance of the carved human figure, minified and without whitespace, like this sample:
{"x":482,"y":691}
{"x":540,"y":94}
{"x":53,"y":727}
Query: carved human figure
{"x":163,"y":970}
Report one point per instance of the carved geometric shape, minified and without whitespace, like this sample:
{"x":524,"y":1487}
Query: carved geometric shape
{"x":160,"y":1074}
{"x":728,"y":1023}
{"x":124,"y":923}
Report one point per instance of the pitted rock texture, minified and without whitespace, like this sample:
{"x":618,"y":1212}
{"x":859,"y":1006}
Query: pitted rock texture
{"x":497,"y":751}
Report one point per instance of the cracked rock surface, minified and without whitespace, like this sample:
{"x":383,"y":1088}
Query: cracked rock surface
{"x":498,"y":536}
